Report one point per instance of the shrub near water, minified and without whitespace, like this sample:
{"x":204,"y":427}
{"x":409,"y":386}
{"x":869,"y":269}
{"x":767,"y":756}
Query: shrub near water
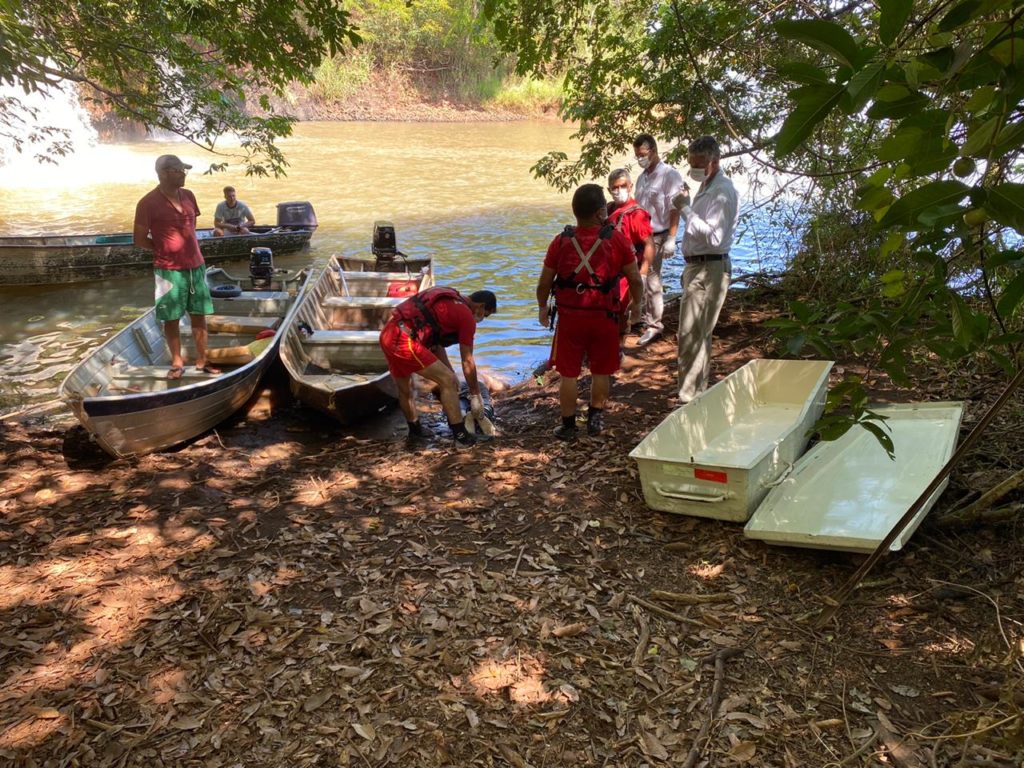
{"x":527,"y":95}
{"x":341,"y":77}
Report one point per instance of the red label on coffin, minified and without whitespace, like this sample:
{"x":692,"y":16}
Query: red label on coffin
{"x":707,"y":474}
{"x":404,"y":288}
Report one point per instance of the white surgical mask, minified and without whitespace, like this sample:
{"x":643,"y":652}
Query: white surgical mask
{"x":643,"y":162}
{"x":620,"y":195}
{"x":699,"y":175}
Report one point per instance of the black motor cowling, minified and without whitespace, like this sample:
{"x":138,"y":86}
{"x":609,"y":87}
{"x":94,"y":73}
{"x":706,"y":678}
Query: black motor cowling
{"x":261,"y":266}
{"x":297,"y":215}
{"x":384,"y":244}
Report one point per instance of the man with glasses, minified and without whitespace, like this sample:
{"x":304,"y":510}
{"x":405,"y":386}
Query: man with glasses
{"x":165,"y":223}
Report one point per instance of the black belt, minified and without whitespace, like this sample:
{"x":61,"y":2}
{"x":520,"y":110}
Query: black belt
{"x":704,"y":257}
{"x":659,"y":234}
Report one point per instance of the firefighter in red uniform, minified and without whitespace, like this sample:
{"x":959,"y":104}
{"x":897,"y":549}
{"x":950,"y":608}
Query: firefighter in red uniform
{"x":635,"y":223}
{"x":414,"y":339}
{"x":582,"y":269}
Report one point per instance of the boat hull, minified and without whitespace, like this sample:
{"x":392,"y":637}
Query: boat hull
{"x":121,"y":395}
{"x":55,"y":260}
{"x":718,"y":455}
{"x":339,"y":368}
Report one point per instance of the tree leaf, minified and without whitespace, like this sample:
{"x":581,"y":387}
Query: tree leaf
{"x":1005,"y":204}
{"x":980,"y":138}
{"x":814,"y":102}
{"x":825,"y":36}
{"x":882,"y":436}
{"x":908,"y":209}
{"x":1011,"y":297}
{"x":893,"y":18}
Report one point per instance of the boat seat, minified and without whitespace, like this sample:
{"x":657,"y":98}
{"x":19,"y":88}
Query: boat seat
{"x":123,"y":372}
{"x":339,"y":338}
{"x":362,"y":301}
{"x":240,"y":324}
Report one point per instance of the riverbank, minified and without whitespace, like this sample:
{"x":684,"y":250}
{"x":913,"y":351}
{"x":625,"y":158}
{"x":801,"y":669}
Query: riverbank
{"x":281,"y":591}
{"x":391,"y":97}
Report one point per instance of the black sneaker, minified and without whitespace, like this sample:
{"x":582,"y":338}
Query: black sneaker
{"x":595,"y":423}
{"x":416,"y":429}
{"x":567,"y":433}
{"x":465,"y":438}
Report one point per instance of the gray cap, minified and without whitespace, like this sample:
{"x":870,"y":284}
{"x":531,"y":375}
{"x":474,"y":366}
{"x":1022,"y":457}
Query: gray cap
{"x":170,"y":161}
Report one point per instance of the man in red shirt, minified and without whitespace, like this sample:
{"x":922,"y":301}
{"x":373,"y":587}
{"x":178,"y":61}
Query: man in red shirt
{"x":582,"y":269}
{"x":635,"y":223}
{"x":413,"y":341}
{"x":165,"y":223}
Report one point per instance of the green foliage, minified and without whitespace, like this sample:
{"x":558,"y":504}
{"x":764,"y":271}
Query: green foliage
{"x":340,"y":77}
{"x":527,"y":95}
{"x":904,"y":119}
{"x":441,"y":43}
{"x":186,"y":66}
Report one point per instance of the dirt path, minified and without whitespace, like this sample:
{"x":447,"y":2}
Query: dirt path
{"x":283,"y":593}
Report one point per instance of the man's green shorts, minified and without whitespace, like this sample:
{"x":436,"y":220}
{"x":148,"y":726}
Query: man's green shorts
{"x":180,"y":292}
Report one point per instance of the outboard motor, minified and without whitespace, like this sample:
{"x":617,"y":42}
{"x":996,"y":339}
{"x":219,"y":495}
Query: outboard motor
{"x":384,"y":245}
{"x":298,"y":215}
{"x":261,"y":267}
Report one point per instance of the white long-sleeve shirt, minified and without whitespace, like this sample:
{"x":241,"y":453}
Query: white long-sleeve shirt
{"x":712,"y":218}
{"x":655,"y":189}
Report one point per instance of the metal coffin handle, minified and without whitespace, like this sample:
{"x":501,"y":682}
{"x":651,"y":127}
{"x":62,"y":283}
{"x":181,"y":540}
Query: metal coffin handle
{"x":713,"y":498}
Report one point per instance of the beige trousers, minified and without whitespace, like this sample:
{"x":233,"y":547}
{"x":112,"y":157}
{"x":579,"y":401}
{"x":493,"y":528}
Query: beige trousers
{"x":704,"y":287}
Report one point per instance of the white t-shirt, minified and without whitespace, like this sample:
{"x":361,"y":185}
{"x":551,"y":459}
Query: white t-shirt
{"x":654,"y":192}
{"x":237,"y":215}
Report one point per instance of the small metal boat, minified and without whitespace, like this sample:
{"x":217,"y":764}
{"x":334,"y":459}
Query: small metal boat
{"x":848,"y":494}
{"x":121,"y":394}
{"x":58,"y":259}
{"x":331,"y":347}
{"x":718,"y":455}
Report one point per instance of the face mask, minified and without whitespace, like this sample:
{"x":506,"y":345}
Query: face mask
{"x":643,"y":162}
{"x":699,"y":175}
{"x":620,"y":195}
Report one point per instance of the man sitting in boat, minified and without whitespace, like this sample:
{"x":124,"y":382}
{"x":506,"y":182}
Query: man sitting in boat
{"x":413,"y":341}
{"x":582,"y":269}
{"x":232,"y":217}
{"x":165,"y":223}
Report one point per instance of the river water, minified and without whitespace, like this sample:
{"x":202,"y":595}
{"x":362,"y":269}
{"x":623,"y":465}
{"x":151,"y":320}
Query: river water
{"x":462,"y":193}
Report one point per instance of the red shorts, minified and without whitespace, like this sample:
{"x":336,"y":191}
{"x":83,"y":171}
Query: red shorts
{"x":589,"y":333}
{"x":405,"y":355}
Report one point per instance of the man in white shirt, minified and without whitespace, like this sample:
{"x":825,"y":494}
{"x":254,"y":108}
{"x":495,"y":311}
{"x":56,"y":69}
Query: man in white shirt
{"x":655,"y":188}
{"x":710,"y":224}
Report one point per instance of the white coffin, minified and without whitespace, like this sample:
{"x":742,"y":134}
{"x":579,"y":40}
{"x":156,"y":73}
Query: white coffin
{"x":718,"y":455}
{"x":848,"y":494}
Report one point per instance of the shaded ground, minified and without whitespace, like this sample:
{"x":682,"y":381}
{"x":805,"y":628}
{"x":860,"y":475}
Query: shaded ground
{"x":281,"y":592}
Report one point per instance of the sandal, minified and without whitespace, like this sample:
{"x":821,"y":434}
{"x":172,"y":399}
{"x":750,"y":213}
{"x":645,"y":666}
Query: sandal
{"x":208,"y":369}
{"x":175,"y":372}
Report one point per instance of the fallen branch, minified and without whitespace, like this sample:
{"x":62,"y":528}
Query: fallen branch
{"x":667,"y":614}
{"x":990,"y":497}
{"x":714,"y":701}
{"x":690,"y":598}
{"x":970,"y":518}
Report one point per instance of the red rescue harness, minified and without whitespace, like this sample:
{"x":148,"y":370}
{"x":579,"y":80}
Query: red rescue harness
{"x":418,"y":316}
{"x":581,"y":285}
